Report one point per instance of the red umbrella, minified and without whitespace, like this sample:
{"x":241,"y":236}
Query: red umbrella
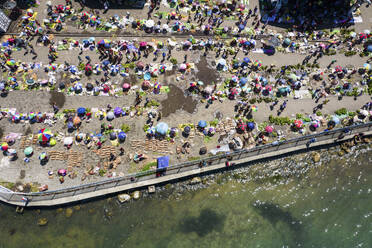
{"x":338,"y":68}
{"x":269,"y":129}
{"x":268,"y":88}
{"x":88,"y":68}
{"x":233,"y":91}
{"x":106,"y":88}
{"x":363,"y":36}
{"x":242,"y":126}
{"x":298,"y":123}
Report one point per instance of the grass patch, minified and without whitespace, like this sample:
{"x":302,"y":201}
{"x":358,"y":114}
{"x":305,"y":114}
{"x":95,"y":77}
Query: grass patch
{"x":147,"y":166}
{"x":193,"y":158}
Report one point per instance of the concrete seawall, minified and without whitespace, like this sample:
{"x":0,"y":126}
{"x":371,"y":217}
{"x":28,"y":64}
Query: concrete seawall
{"x":73,"y":195}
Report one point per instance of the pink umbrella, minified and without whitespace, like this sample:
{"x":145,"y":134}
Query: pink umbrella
{"x":143,"y":44}
{"x":146,"y":85}
{"x":268,"y":88}
{"x":140,"y":65}
{"x":62,"y":172}
{"x":269,"y":129}
{"x":126,"y":86}
{"x":183,"y":66}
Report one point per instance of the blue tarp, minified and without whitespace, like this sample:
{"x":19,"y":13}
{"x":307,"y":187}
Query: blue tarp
{"x":163,"y":162}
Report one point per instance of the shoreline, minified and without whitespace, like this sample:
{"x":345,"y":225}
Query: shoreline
{"x":346,"y":143}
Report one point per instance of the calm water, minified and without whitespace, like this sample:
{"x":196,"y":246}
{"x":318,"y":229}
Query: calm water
{"x":329,"y":207}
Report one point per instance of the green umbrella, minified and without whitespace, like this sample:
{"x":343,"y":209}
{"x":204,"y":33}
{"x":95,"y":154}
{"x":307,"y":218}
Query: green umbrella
{"x":28,"y":151}
{"x":30,"y":82}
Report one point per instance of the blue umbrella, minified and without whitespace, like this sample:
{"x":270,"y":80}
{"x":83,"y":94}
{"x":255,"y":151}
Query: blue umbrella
{"x":202,"y":124}
{"x":250,"y":125}
{"x":70,"y":125}
{"x":246,"y":60}
{"x":241,"y":27}
{"x":187,"y":129}
{"x":78,"y":88}
{"x":2,"y":86}
{"x":162,"y":128}
{"x":122,"y":136}
{"x":369,"y":48}
{"x":243,"y":81}
{"x":106,"y":62}
{"x":73,"y":69}
{"x":81,"y":111}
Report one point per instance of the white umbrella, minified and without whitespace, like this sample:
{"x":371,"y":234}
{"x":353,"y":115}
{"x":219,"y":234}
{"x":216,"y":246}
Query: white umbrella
{"x":367,"y":31}
{"x":68,"y":141}
{"x":150,"y":23}
{"x":110,"y":116}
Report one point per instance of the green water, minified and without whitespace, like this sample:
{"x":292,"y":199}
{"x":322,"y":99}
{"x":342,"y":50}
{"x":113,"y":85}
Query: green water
{"x":329,"y":207}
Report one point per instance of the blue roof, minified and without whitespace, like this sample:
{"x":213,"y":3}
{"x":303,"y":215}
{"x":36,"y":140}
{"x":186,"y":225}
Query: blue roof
{"x":163,"y":162}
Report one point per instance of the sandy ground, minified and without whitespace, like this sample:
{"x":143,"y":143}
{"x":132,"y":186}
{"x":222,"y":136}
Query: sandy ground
{"x":174,"y":105}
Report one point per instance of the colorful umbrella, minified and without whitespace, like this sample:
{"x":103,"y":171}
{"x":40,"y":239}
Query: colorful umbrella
{"x":10,"y":62}
{"x":42,"y":156}
{"x":367,"y":66}
{"x":44,"y":135}
{"x":257,"y":63}
{"x":4,"y":146}
{"x":254,"y":108}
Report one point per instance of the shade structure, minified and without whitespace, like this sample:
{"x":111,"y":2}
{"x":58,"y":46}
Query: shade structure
{"x":113,"y":136}
{"x":163,"y":162}
{"x":250,"y":125}
{"x":187,"y":129}
{"x":221,"y":62}
{"x":242,"y":126}
{"x":62,"y":172}
{"x":367,"y":66}
{"x":81,"y":111}
{"x":4,"y":146}
{"x":42,"y":156}
{"x":76,"y":121}
{"x":369,"y":48}
{"x":44,"y":135}
{"x":52,"y":142}
{"x":118,"y":111}
{"x":269,"y":129}
{"x":12,"y":152}
{"x":68,"y":141}
{"x":89,"y":87}
{"x":110,"y":116}
{"x":202,"y":124}
{"x":28,"y":151}
{"x":126,"y":86}
{"x":162,"y":128}
{"x":298,"y":123}
{"x":243,"y":81}
{"x":336,"y":120}
{"x":122,"y":136}
{"x":140,"y":65}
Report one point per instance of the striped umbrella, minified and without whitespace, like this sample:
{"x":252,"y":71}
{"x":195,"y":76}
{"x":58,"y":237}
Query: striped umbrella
{"x":44,"y":135}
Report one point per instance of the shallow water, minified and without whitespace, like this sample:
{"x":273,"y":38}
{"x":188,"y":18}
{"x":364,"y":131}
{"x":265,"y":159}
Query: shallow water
{"x":330,"y":206}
